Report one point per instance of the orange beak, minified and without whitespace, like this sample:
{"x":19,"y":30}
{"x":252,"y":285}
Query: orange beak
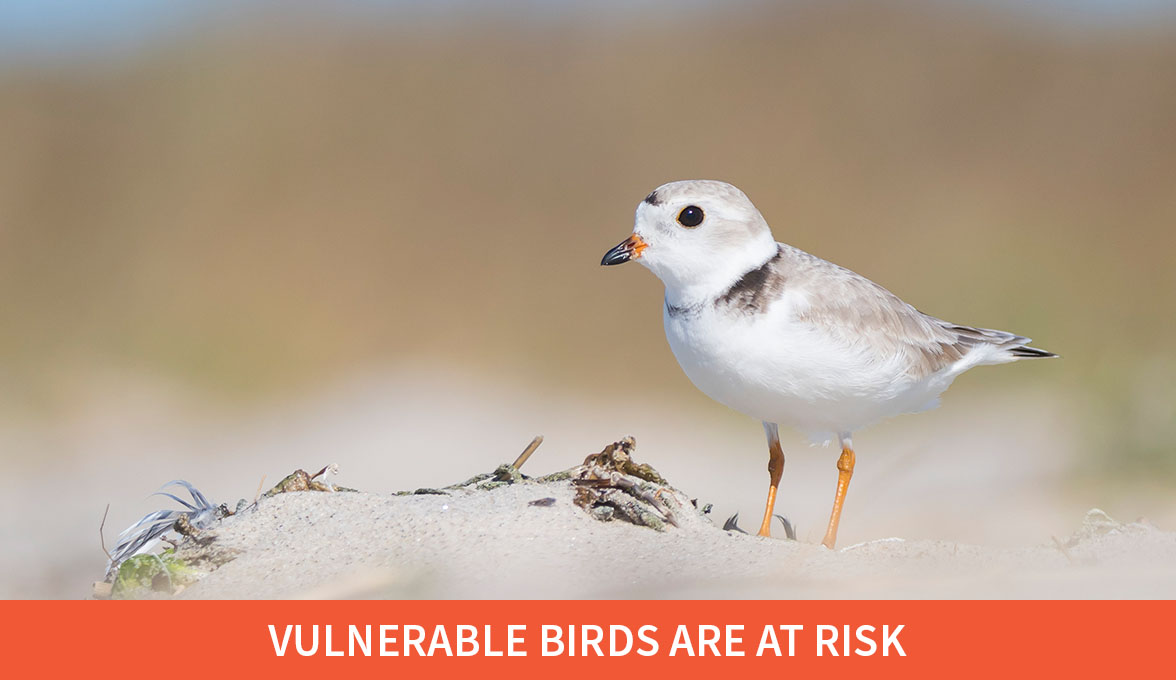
{"x":629,"y":249}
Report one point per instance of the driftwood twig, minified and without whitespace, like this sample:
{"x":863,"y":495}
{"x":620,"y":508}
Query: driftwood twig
{"x":527,"y":452}
{"x":102,"y":533}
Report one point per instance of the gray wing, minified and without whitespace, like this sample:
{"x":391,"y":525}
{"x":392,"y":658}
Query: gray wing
{"x":858,"y":311}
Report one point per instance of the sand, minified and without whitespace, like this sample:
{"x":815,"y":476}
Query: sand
{"x":989,"y":479}
{"x":497,"y":544}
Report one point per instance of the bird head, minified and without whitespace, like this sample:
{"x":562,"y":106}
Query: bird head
{"x":696,"y":234}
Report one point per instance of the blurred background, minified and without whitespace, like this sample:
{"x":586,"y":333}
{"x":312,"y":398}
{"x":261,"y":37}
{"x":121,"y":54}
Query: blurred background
{"x":241,"y":238}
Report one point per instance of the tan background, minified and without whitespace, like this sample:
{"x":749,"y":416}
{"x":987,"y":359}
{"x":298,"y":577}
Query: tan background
{"x":263,"y":240}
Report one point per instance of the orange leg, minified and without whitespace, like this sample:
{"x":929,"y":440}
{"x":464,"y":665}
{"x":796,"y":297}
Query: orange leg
{"x":844,"y":473}
{"x":775,"y":470}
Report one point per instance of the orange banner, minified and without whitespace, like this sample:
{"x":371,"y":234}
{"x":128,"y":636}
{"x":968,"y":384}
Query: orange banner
{"x":583,"y":639}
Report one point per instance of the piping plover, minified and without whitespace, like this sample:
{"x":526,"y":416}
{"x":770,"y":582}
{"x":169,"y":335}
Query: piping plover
{"x":788,"y":338}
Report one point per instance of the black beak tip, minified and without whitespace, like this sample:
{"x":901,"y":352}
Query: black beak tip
{"x":618,"y":255}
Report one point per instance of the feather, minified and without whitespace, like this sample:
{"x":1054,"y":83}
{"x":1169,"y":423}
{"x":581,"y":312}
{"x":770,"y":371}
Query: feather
{"x":145,"y":534}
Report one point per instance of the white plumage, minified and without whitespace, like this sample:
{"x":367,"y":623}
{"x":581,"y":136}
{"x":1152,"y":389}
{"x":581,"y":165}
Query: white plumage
{"x":786,"y":337}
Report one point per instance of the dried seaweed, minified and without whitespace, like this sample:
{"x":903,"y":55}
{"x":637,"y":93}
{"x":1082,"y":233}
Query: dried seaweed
{"x":611,"y":485}
{"x":301,"y":480}
{"x":129,"y":576}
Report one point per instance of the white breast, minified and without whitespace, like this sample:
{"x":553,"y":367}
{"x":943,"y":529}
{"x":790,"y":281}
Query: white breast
{"x":777,"y":369}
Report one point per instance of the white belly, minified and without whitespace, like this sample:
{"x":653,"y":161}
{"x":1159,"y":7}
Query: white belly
{"x":778,"y":370}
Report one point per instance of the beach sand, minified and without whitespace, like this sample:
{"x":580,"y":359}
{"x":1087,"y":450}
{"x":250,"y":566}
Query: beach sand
{"x":500,"y":543}
{"x":978,"y":489}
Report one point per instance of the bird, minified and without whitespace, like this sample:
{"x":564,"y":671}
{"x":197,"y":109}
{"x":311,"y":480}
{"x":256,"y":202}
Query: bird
{"x":788,"y":338}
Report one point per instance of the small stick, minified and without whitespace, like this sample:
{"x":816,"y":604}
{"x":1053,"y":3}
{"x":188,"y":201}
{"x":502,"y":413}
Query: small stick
{"x":333,"y":468}
{"x":527,"y":452}
{"x":257,"y":496}
{"x":102,"y":535}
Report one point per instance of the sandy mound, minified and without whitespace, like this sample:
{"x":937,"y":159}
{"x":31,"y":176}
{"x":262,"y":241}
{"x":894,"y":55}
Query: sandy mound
{"x":572,"y":535}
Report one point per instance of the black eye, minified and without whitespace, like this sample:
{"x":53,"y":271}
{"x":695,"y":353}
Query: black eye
{"x":691,"y":216}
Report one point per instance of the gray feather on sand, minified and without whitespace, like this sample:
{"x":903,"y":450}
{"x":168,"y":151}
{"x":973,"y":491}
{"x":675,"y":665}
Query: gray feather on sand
{"x":148,"y":531}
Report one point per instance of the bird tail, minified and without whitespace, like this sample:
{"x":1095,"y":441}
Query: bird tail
{"x":1014,"y":346}
{"x":1026,"y":352}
